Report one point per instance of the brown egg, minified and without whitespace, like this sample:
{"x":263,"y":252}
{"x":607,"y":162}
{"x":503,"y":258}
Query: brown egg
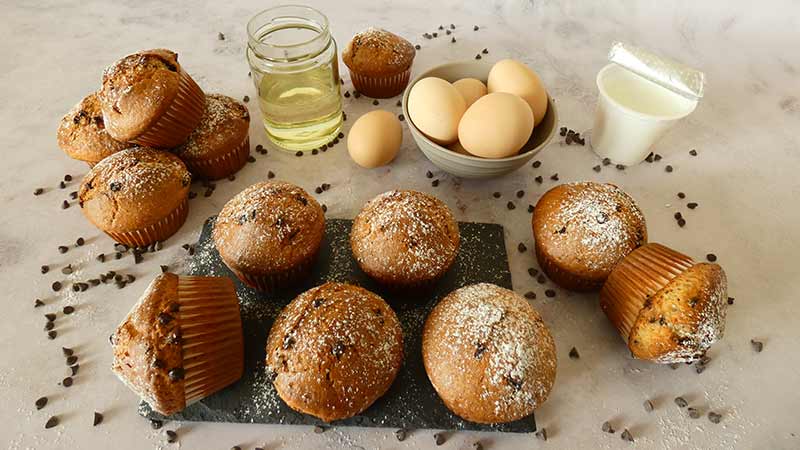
{"x":515,"y":77}
{"x":375,"y":139}
{"x":435,"y":107}
{"x":497,"y":125}
{"x":471,"y":89}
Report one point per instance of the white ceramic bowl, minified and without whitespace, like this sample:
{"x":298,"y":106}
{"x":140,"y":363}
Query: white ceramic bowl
{"x":472,"y":166}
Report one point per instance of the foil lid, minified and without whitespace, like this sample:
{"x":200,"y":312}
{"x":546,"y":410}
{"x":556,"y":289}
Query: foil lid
{"x":676,"y":77}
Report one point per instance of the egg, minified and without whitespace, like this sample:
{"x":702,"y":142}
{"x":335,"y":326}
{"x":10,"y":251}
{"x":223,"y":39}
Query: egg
{"x":458,"y":148}
{"x":435,"y":107}
{"x":515,"y":77}
{"x":471,"y":89}
{"x":497,"y":125}
{"x":375,"y":139}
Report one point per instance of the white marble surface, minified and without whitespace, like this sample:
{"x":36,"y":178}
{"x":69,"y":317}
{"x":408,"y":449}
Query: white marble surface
{"x":745,"y":179}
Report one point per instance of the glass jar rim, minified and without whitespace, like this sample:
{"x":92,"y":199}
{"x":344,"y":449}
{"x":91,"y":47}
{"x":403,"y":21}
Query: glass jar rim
{"x":252,"y":28}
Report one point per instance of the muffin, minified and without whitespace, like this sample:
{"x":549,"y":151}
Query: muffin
{"x":582,"y":230}
{"x":667,"y":307}
{"x":379,"y":62}
{"x":148,"y":99}
{"x":137,"y":196}
{"x":82,"y":133}
{"x":334,"y":350}
{"x":405,"y":239}
{"x":181,"y":342}
{"x":220,"y":145}
{"x":488,"y":354}
{"x":269,"y":235}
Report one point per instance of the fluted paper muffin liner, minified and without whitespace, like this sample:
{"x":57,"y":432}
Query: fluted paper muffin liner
{"x":158,"y":231}
{"x":380,"y":87}
{"x":635,"y":279}
{"x":221,"y":166}
{"x":211,"y":335}
{"x":277,"y":280}
{"x":179,"y":120}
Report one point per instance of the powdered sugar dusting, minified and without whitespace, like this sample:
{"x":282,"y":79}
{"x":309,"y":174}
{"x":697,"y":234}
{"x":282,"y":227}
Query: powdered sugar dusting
{"x":498,"y":338}
{"x":405,"y":235}
{"x":219,"y":118}
{"x":396,"y":50}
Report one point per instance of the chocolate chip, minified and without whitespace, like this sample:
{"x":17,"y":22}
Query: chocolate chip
{"x":176,"y":374}
{"x":714,"y":417}
{"x":69,"y":309}
{"x":246,"y":98}
{"x":97,"y":420}
{"x":115,"y":186}
{"x":52,"y":334}
{"x":62,"y":185}
{"x":511,"y":205}
{"x":64,"y":204}
{"x":324,"y":208}
{"x":626,"y":435}
{"x":681,"y":195}
{"x":496,"y":194}
{"x":532,"y":272}
{"x":657,"y":157}
{"x":554,"y":177}
{"x":691,"y":205}
{"x":45,"y":269}
{"x":485,"y":51}
{"x":251,"y":159}
{"x":731,"y":300}
{"x":530,"y":208}
{"x":41,"y":402}
{"x":475,"y":28}
{"x":156,"y":424}
{"x":48,"y":326}
{"x":157,"y":364}
{"x":439,"y":438}
{"x":56,"y":286}
{"x":681,"y":402}
{"x":550,"y":293}
{"x":74,"y":369}
{"x":520,"y":194}
{"x":38,"y":303}
{"x":681,"y":222}
{"x":164,"y":318}
{"x":318,"y":190}
{"x":172,"y":436}
{"x":418,"y":46}
{"x":711,"y":257}
{"x":522,"y":248}
{"x":668,"y":168}
{"x":400,"y":434}
{"x":573,"y":353}
{"x":596,"y":168}
{"x":346,"y":94}
{"x":536,"y":164}
{"x":51,"y":422}
{"x":607,"y":428}
{"x":73,"y":195}
{"x":541,"y":434}
{"x":538,"y":179}
{"x":620,"y":166}
{"x":648,"y":406}
{"x":541,"y":279}
{"x":606,"y":161}
{"x":693,"y":413}
{"x":401,"y":117}
{"x":38,"y":191}
{"x":693,"y":152}
{"x":66,"y":382}
{"x":375,"y":102}
{"x":478,"y":56}
{"x":758,"y":346}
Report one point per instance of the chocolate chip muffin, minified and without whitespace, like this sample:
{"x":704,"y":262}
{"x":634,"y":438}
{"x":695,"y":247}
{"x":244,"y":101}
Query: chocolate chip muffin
{"x":220,"y":144}
{"x":405,"y":239}
{"x":334,"y":350}
{"x":269,"y":235}
{"x":488,"y":354}
{"x":582,"y":230}
{"x":148,"y":99}
{"x":667,"y":307}
{"x":137,"y":196}
{"x":379,"y":62}
{"x":181,"y":342}
{"x":82,"y":133}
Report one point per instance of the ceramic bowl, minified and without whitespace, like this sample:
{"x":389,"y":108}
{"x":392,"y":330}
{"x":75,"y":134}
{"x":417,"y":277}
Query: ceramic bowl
{"x":466,"y":166}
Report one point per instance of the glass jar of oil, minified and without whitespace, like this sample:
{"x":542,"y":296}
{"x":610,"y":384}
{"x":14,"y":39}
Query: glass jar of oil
{"x":295,"y":67}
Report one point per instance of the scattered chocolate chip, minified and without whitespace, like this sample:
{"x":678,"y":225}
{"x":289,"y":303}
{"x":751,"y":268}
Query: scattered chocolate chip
{"x":681,"y":402}
{"x":69,"y":309}
{"x":439,"y":438}
{"x":56,"y":286}
{"x":62,"y":185}
{"x":38,"y":191}
{"x":435,"y":183}
{"x":114,"y":186}
{"x":648,"y":406}
{"x":299,"y":153}
{"x":620,"y":166}
{"x":668,"y":168}
{"x":573,"y":353}
{"x":324,"y":208}
{"x":51,"y":422}
{"x":64,"y":204}
{"x":52,"y":334}
{"x":532,"y":272}
{"x":156,"y":424}
{"x":607,"y":428}
{"x":536,"y":164}
{"x":318,"y":190}
{"x":538,"y":179}
{"x":401,"y":117}
{"x":758,"y":346}
{"x":681,"y":222}
{"x":522,"y":248}
{"x":401,"y":434}
{"x":475,"y":28}
{"x":626,"y":435}
{"x":38,"y":303}
{"x":48,"y":326}
{"x":251,"y":159}
{"x":596,"y":168}
{"x":418,"y":47}
{"x":554,"y":177}
{"x":478,"y":56}
{"x":520,"y":194}
{"x":172,"y":436}
{"x":66,"y":270}
{"x":375,"y":102}
{"x":714,"y":417}
{"x":45,"y":269}
{"x":74,"y":369}
{"x":530,"y":208}
{"x":511,"y":205}
{"x":541,"y":279}
{"x":657,"y":157}
{"x":530,"y":295}
{"x":192,"y":194}
{"x":246,"y":98}
{"x":550,"y":293}
{"x":73,"y":195}
{"x":66,"y":382}
{"x":496,"y":194}
{"x":541,"y":434}
{"x":220,"y":36}
{"x":98,"y":419}
{"x":731,"y":300}
{"x":681,"y":195}
{"x":429,"y":174}
{"x":693,"y":152}
{"x":711,"y":257}
{"x":691,"y":205}
{"x":41,"y":402}
{"x":693,"y":413}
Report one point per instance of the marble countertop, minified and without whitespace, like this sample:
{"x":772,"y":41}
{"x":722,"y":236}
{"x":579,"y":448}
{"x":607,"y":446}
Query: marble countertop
{"x":744,"y":178}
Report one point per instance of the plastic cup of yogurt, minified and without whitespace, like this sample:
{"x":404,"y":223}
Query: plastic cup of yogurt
{"x":632,"y":114}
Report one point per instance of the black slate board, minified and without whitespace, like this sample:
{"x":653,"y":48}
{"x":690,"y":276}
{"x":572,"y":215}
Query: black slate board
{"x":411,"y":402}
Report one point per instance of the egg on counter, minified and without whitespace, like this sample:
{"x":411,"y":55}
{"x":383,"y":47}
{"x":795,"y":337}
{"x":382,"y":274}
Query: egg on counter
{"x":497,"y":125}
{"x":375,"y":139}
{"x":515,"y":77}
{"x":436,"y":107}
{"x":471,"y":89}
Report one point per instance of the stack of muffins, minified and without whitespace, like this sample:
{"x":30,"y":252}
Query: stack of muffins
{"x":144,"y":134}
